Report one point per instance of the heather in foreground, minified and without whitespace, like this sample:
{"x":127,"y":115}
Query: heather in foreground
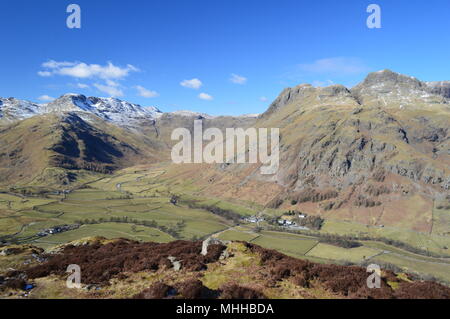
{"x":234,"y":270}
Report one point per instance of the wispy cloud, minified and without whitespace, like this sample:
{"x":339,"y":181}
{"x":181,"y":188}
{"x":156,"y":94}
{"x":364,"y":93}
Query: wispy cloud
{"x":82,"y":86}
{"x":238,"y":79}
{"x":192,"y":84}
{"x":45,"y":73}
{"x":111,"y":90}
{"x":146,"y":93}
{"x":205,"y":96}
{"x":263,"y":99}
{"x":112,"y":83}
{"x":335,"y":66}
{"x":83,"y":70}
{"x":45,"y":98}
{"x":52,"y":64}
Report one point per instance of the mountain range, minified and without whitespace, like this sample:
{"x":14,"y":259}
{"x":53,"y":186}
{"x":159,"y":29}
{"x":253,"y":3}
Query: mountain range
{"x":378,"y":153}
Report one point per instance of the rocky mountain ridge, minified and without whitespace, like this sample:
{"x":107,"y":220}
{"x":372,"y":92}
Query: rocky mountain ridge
{"x":109,"y":109}
{"x":113,"y":110}
{"x":388,"y":132}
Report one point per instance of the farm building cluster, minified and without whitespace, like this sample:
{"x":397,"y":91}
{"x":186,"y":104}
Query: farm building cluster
{"x":57,"y":229}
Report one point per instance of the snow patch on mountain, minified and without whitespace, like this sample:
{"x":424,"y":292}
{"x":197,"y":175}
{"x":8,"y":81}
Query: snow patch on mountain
{"x":109,"y":109}
{"x":12,"y":109}
{"x":192,"y":114}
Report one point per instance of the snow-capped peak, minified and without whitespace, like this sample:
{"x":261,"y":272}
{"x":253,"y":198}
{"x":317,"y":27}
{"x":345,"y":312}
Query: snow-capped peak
{"x":187,"y":113}
{"x":12,"y":109}
{"x":110,"y":109}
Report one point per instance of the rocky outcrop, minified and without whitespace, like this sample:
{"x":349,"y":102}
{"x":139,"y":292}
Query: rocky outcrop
{"x":389,"y":89}
{"x":440,"y":87}
{"x":211,"y":241}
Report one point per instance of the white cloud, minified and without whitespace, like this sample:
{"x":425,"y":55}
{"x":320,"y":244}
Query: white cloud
{"x":205,"y":96}
{"x":44,"y":73}
{"x":337,"y":66}
{"x":113,"y":91}
{"x":192,"y":84}
{"x":263,"y":99}
{"x":45,"y":98}
{"x":146,"y":93}
{"x":52,"y":64}
{"x":238,"y":79}
{"x":112,"y":83}
{"x":82,"y":86}
{"x":83,"y":70}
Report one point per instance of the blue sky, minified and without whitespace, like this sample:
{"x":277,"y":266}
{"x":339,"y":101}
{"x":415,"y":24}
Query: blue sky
{"x":232,"y":57}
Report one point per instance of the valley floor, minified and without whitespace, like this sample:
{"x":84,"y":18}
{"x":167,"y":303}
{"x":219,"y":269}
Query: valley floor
{"x":148,"y":204}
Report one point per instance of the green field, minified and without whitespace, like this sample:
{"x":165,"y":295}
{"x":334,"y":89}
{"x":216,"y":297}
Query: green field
{"x":145,"y":197}
{"x":435,"y":243}
{"x":354,"y":255}
{"x":295,"y":246}
{"x":238,"y":234}
{"x":107,"y":230}
{"x":441,"y":221}
{"x":437,"y":270}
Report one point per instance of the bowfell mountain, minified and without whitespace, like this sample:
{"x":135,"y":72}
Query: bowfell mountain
{"x":391,"y":89}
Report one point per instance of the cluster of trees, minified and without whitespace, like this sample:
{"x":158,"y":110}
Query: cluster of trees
{"x":225,"y":213}
{"x":275,"y":203}
{"x":292,"y":213}
{"x":312,"y":222}
{"x":173,"y":230}
{"x":379,"y":175}
{"x":9,"y":240}
{"x":3,"y":240}
{"x":125,"y":196}
{"x":443,"y":206}
{"x":408,"y":247}
{"x":272,"y":220}
{"x":29,"y":191}
{"x":377,"y":190}
{"x":340,"y":241}
{"x":362,"y":201}
{"x":174,"y":199}
{"x":312,"y":195}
